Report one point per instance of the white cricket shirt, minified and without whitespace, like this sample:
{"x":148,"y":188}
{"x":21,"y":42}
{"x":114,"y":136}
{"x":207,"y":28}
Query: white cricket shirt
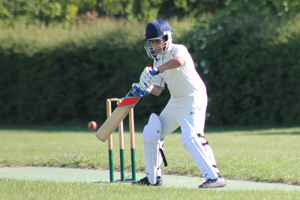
{"x":182,"y":81}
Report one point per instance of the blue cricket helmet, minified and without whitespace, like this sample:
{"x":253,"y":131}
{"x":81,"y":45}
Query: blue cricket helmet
{"x":157,"y":29}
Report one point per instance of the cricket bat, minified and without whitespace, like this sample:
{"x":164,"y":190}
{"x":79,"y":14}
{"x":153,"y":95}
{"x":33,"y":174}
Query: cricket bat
{"x":118,"y":115}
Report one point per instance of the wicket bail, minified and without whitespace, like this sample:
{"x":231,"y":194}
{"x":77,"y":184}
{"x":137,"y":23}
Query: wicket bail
{"x":121,"y":143}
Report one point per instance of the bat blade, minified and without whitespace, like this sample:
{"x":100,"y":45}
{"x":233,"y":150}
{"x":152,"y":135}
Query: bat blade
{"x":111,"y":123}
{"x":118,"y":115}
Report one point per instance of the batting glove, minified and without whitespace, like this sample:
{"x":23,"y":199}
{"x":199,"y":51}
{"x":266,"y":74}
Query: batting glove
{"x":147,"y":76}
{"x":141,"y":90}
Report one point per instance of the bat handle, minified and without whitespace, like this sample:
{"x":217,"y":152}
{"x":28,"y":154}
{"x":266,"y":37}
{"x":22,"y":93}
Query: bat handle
{"x":154,"y":71}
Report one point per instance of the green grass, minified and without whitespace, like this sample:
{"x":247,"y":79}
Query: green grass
{"x":11,"y":189}
{"x":268,"y":155}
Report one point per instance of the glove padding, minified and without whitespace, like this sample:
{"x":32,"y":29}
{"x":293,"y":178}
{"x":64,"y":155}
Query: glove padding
{"x":146,"y":77}
{"x":140,"y":90}
{"x":147,"y":80}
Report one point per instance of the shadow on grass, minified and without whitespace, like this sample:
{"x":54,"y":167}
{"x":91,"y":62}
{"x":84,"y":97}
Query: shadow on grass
{"x":129,"y":181}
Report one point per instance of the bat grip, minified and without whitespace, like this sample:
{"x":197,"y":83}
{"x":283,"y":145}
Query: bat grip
{"x":154,"y":71}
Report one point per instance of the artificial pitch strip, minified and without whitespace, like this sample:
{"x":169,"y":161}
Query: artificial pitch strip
{"x":98,"y":177}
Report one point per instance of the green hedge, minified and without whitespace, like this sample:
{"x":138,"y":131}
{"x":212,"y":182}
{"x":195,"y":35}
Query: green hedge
{"x":249,"y":59}
{"x":58,"y":76}
{"x":250,"y":64}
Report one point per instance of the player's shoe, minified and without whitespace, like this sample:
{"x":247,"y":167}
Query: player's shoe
{"x":215,"y":183}
{"x":144,"y":181}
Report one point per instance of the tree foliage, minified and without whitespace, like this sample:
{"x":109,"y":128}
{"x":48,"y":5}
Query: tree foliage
{"x":44,"y":11}
{"x":47,"y":11}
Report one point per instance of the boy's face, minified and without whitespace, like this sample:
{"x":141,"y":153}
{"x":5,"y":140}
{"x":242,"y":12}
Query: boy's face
{"x":157,"y":45}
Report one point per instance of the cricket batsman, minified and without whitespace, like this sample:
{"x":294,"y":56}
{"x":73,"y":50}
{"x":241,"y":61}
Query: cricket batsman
{"x":173,"y":66}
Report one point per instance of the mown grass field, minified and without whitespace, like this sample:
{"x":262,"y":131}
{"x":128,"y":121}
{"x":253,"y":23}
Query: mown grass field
{"x":268,"y":155}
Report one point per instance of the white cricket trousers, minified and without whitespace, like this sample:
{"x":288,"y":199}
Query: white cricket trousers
{"x":191,"y":108}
